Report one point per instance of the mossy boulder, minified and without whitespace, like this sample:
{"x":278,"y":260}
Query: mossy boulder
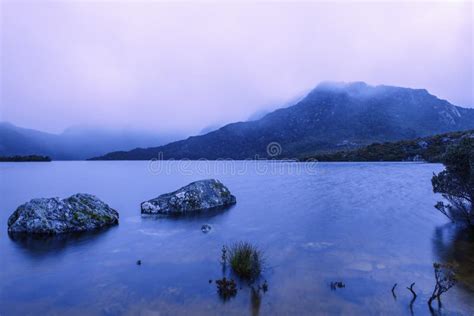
{"x":77,"y":213}
{"x":195,"y":197}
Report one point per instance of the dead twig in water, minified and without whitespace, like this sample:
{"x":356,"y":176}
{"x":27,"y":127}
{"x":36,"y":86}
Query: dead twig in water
{"x":412,"y":291}
{"x":414,"y":297}
{"x":393,"y":290}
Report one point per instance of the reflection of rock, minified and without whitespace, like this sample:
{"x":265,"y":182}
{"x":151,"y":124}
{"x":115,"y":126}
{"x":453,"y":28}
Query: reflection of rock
{"x":454,"y":244}
{"x":77,"y":213}
{"x":39,"y":245}
{"x":206,"y":228}
{"x":197,"y":196}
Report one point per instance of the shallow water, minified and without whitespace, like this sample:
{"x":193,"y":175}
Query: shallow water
{"x":369,"y":225}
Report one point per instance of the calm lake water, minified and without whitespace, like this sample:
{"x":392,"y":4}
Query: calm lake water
{"x":369,"y":225}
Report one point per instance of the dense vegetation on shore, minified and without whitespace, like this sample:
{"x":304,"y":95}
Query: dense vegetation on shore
{"x":456,"y":183}
{"x":431,"y":149}
{"x":34,"y":158}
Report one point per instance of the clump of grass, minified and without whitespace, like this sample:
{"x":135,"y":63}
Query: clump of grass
{"x":245,"y":260}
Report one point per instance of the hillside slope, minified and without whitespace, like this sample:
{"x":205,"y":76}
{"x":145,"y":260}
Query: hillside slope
{"x":330,"y":116}
{"x":431,"y":149}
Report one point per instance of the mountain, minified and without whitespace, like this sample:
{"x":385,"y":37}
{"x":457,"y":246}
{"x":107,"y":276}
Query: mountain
{"x":258,"y":115}
{"x":209,"y":128}
{"x":73,"y":143}
{"x":431,"y":149}
{"x":268,"y":109}
{"x":330,"y":116}
{"x":255,"y":116}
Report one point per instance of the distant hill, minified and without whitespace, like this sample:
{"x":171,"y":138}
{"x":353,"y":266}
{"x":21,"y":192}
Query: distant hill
{"x":73,"y":143}
{"x":431,"y":149}
{"x":332,"y":116}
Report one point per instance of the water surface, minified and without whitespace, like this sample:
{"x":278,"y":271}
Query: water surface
{"x":369,"y":225}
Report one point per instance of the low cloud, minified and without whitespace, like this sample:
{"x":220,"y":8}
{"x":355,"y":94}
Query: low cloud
{"x":184,"y":66}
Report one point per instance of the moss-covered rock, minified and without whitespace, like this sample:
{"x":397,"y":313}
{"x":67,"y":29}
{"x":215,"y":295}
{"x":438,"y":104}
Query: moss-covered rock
{"x":197,"y":196}
{"x":77,"y":213}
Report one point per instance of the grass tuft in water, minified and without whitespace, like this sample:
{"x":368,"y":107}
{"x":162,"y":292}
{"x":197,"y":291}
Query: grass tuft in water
{"x":245,"y":260}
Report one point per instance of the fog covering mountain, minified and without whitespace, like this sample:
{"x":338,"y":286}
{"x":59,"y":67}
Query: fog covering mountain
{"x":331,"y":116}
{"x":252,"y":117}
{"x":74,"y":143}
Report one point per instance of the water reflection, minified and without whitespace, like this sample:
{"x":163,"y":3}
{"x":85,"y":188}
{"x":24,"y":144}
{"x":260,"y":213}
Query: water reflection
{"x":455,"y":244}
{"x":193,"y":216}
{"x":255,"y":301}
{"x":43,"y":245}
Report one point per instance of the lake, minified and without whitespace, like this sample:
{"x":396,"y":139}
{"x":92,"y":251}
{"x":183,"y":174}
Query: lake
{"x":368,"y":225}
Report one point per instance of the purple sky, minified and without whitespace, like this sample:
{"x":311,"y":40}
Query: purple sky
{"x":183,"y":66}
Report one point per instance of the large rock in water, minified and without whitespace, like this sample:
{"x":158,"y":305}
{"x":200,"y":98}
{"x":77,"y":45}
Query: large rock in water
{"x":77,"y":213}
{"x":196,"y":196}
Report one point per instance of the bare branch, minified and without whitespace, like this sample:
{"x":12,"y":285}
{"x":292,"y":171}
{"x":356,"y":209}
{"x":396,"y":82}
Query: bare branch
{"x":412,"y":291}
{"x":393,"y":290}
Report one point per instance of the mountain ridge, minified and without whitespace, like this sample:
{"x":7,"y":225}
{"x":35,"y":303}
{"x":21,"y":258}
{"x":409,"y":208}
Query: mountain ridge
{"x":331,"y":115}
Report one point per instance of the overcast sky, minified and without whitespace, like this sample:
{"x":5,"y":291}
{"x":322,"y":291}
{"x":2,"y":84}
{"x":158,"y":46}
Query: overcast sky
{"x":183,"y":66}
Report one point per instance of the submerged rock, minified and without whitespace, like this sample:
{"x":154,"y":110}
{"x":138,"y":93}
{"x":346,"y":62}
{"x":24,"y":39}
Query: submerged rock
{"x":337,"y":285}
{"x":196,"y":196}
{"x":206,"y":228}
{"x":77,"y":213}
